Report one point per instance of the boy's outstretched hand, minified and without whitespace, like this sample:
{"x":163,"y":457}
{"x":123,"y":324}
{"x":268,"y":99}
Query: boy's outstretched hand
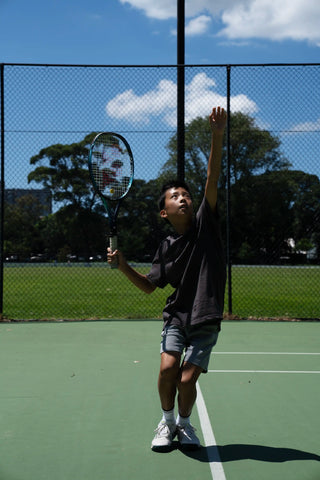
{"x":218,"y":119}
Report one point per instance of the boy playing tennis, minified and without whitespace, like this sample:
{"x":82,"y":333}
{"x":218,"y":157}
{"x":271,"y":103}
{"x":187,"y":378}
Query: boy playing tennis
{"x":192,"y":261}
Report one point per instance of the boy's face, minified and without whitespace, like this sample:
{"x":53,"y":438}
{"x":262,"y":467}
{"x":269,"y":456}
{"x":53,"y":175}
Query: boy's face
{"x":178,"y":207}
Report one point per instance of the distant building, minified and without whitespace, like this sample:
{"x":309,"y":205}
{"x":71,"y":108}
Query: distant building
{"x":43,"y":196}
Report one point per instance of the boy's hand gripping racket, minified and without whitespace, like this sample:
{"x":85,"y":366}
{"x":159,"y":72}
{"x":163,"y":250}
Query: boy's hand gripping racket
{"x":111,"y":169}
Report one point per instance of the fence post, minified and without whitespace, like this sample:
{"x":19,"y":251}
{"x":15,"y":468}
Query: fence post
{"x":1,"y":188}
{"x":180,"y":89}
{"x":228,"y":222}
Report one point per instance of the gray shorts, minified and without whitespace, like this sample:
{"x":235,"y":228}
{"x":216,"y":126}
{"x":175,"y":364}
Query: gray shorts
{"x":196,"y":340}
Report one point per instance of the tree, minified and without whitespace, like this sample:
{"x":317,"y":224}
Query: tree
{"x":262,"y":217}
{"x":140,"y":225}
{"x":270,"y":204}
{"x":21,"y":227}
{"x":81,"y":226}
{"x":252,"y":151}
{"x":306,"y":204}
{"x":306,"y":211}
{"x":63,"y":170}
{"x":78,"y":226}
{"x":273,"y":210}
{"x":76,"y":231}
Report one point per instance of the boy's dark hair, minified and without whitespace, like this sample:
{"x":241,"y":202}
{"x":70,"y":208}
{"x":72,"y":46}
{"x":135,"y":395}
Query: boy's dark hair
{"x":167,"y":186}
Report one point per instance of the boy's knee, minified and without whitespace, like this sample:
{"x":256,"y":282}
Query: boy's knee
{"x":189,"y":375}
{"x":186,"y":381}
{"x":170,"y":364}
{"x":169,"y":371}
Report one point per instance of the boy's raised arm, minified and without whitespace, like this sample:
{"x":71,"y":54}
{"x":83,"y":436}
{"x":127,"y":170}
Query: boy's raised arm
{"x":218,"y":120}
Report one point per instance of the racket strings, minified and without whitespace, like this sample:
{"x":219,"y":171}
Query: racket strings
{"x":112,"y":167}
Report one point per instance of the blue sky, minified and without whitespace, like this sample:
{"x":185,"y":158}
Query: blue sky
{"x":136,"y":32}
{"x":143,"y":31}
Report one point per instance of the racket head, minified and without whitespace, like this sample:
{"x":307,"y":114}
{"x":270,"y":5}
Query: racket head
{"x":111,"y":165}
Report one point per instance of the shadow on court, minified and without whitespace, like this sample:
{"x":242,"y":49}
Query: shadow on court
{"x":234,"y":452}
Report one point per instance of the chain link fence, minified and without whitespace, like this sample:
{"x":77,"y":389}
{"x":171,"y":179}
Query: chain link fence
{"x":54,"y":231}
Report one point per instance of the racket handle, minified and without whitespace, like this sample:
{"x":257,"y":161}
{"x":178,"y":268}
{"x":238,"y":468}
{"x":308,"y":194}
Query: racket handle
{"x":114,"y":246}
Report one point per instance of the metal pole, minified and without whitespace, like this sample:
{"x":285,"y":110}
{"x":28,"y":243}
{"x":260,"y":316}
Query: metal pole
{"x":229,"y":259}
{"x":1,"y":188}
{"x":180,"y":89}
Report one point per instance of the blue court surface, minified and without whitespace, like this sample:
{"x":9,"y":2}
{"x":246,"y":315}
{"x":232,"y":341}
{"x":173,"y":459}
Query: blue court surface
{"x":79,"y":400}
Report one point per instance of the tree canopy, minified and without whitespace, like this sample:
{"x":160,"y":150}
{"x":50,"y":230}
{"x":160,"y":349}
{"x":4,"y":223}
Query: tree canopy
{"x":275,"y":211}
{"x":252,"y":151}
{"x":63,"y":169}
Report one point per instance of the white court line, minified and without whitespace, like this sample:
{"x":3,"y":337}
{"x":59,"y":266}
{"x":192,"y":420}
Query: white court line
{"x":216,"y":467}
{"x":263,"y":353}
{"x":263,"y":371}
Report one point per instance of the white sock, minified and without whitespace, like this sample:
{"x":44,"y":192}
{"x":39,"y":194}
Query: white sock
{"x":168,"y":416}
{"x":183,"y":421}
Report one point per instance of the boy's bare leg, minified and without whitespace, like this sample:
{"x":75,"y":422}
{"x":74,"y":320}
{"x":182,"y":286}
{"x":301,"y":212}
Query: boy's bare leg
{"x":187,"y":388}
{"x":173,"y":378}
{"x":168,"y":377}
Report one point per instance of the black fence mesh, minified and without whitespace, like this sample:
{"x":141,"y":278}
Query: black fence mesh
{"x":55,"y":230}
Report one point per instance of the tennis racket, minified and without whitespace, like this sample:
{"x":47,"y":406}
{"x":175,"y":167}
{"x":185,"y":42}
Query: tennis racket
{"x":111,"y":170}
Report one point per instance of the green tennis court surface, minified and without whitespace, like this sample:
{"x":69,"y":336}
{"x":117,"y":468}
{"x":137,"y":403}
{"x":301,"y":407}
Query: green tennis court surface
{"x":79,"y":401}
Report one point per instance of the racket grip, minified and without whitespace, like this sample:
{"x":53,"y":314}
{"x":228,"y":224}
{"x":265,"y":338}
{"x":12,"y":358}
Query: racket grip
{"x":114,"y":246}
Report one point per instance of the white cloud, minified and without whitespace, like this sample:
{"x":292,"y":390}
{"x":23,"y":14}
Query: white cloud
{"x":201,"y":96}
{"x":307,"y":127}
{"x":296,"y":20}
{"x":165,"y":9}
{"x":160,"y":10}
{"x":198,"y":25}
{"x":288,"y":19}
{"x":135,"y":108}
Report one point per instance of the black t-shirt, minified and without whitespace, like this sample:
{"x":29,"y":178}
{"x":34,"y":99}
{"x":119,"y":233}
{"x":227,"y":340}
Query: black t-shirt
{"x":194,"y":264}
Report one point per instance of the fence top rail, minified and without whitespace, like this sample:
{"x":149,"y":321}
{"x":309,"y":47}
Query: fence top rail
{"x":229,"y":65}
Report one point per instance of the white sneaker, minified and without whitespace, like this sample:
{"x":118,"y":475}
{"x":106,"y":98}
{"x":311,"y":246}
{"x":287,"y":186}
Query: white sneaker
{"x":187,"y":438}
{"x":165,"y":433}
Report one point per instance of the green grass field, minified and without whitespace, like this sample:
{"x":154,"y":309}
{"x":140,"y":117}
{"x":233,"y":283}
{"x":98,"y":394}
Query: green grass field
{"x":97,"y":292}
{"x":276,"y":291}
